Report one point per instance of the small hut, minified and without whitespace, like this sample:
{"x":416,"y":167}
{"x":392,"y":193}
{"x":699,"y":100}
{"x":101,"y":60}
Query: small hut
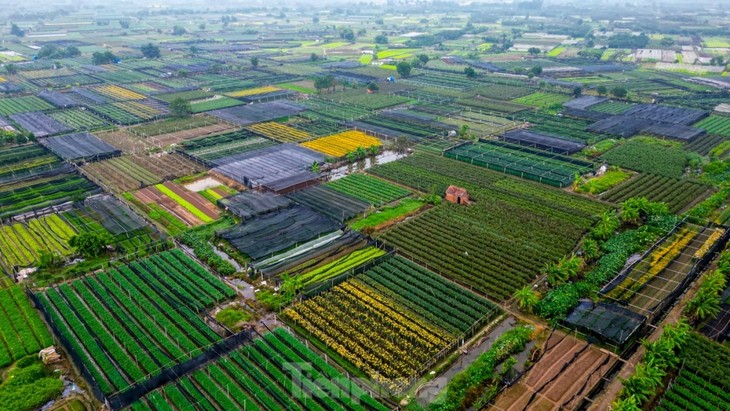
{"x":457,"y":195}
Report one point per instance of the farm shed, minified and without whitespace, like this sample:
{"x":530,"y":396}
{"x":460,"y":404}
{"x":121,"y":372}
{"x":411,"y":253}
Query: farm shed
{"x":457,"y":195}
{"x":257,"y":113}
{"x":80,"y":146}
{"x":543,"y":141}
{"x":281,"y":168}
{"x":609,"y":322}
{"x":272,"y":233}
{"x":250,"y":204}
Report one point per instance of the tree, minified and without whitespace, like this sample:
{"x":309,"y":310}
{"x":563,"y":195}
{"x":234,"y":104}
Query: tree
{"x":202,"y":26}
{"x":373,"y":87}
{"x":424,"y":58}
{"x":577,"y":91}
{"x":16,"y":31}
{"x":193,"y":50}
{"x":534,"y":51}
{"x":124,"y":23}
{"x":150,"y":51}
{"x":381,"y":39}
{"x":323,"y":82}
{"x":470,"y":72}
{"x":526,"y":298}
{"x":347,"y":34}
{"x":178,"y":31}
{"x":91,"y":244}
{"x":619,"y":92}
{"x":180,"y":108}
{"x":601,"y":90}
{"x":255,"y":61}
{"x":404,"y":69}
{"x":313,"y":57}
{"x":315,"y":20}
{"x":106,"y":57}
{"x":11,"y":69}
{"x":536,"y":70}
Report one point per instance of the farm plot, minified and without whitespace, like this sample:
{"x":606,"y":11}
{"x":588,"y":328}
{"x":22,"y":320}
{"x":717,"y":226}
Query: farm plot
{"x":719,"y":125}
{"x":543,"y":141}
{"x":648,"y":284}
{"x":279,"y":168}
{"x":373,"y":101}
{"x":484,"y":245}
{"x":40,"y":124}
{"x":339,"y":145}
{"x":253,"y":91}
{"x":185,"y":95}
{"x":274,"y":232}
{"x":257,"y":113}
{"x":370,"y":189}
{"x":677,"y":194}
{"x":490,"y":105}
{"x":552,"y":169}
{"x":698,"y":386}
{"x":133,"y":172}
{"x":225,"y":145}
{"x":250,"y":203}
{"x":26,"y":104}
{"x":566,"y":372}
{"x":543,"y":100}
{"x":339,"y":266}
{"x":570,"y":128}
{"x":318,"y":109}
{"x":80,"y":119}
{"x":192,"y":208}
{"x":80,"y":146}
{"x":389,"y":322}
{"x":21,"y":243}
{"x":391,"y":127}
{"x":649,"y":155}
{"x":173,"y":125}
{"x":22,"y":331}
{"x":27,"y":163}
{"x":53,"y":190}
{"x":280,"y":132}
{"x":611,"y":107}
{"x":707,"y":144}
{"x":503,"y":92}
{"x":213,"y":103}
{"x":259,"y":376}
{"x":316,"y":128}
{"x":332,"y":203}
{"x":118,"y":93}
{"x":122,"y":340}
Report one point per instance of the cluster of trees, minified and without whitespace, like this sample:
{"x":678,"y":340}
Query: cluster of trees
{"x":178,"y":31}
{"x":150,"y":51}
{"x":228,"y":19}
{"x":706,"y":303}
{"x":325,"y":82}
{"x":180,"y":108}
{"x":403,"y":68}
{"x":661,"y":356}
{"x":628,"y":41}
{"x":51,"y":51}
{"x":16,"y":31}
{"x":618,"y":91}
{"x":106,"y":57}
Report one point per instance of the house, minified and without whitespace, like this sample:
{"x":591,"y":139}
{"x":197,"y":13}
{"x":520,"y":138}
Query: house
{"x":457,"y":195}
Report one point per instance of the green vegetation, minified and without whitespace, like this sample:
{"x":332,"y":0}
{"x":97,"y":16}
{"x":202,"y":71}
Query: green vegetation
{"x":608,"y":180}
{"x":649,"y":155}
{"x":389,"y":213}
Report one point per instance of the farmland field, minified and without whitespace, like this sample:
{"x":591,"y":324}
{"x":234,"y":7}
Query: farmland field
{"x":224,"y":145}
{"x":280,"y":132}
{"x":260,"y":376}
{"x":485,"y":242}
{"x":22,"y":331}
{"x":338,"y":145}
{"x":542,"y":100}
{"x":23,"y":242}
{"x":713,"y":124}
{"x":649,"y":156}
{"x":367,"y":188}
{"x":531,"y":164}
{"x":121,"y":340}
{"x":676,"y":193}
{"x":412,"y":324}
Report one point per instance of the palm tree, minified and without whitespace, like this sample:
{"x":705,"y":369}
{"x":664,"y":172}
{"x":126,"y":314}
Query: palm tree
{"x":704,"y":305}
{"x":526,"y":298}
{"x":555,"y":275}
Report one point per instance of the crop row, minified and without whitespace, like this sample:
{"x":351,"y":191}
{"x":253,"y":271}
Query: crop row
{"x":22,"y":243}
{"x":26,"y":104}
{"x":340,"y":265}
{"x":22,"y":331}
{"x":262,"y":376}
{"x":79,"y":119}
{"x":677,"y":194}
{"x":213,"y":103}
{"x":338,"y":145}
{"x":223,"y":145}
{"x":719,"y":125}
{"x":381,"y":337}
{"x":42,"y":193}
{"x":543,"y":100}
{"x":370,"y":189}
{"x":280,"y":132}
{"x":527,"y":163}
{"x":127,"y":173}
{"x":121,"y":340}
{"x":118,"y":93}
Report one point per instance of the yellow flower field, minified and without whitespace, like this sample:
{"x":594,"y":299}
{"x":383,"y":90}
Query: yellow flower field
{"x":253,"y":91}
{"x":338,"y":145}
{"x":119,"y":93}
{"x":280,"y":132}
